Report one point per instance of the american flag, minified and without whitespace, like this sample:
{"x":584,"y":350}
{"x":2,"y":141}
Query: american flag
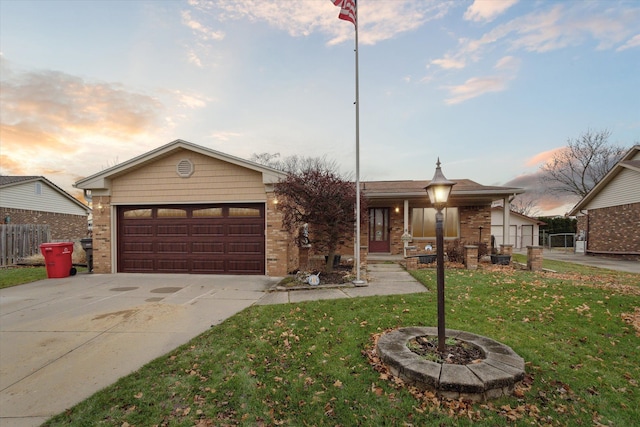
{"x":347,"y":10}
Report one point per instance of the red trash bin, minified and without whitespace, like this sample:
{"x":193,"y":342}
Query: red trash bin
{"x":57,"y":258}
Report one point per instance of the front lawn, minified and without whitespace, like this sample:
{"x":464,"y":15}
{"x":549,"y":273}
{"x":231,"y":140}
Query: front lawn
{"x":18,"y":275}
{"x":12,"y":276}
{"x":311,"y":363}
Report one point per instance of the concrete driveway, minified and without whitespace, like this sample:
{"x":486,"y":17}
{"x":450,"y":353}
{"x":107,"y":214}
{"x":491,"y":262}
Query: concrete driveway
{"x":61,"y":340}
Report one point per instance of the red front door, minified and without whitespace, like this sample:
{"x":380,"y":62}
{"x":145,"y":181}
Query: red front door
{"x":379,"y":230}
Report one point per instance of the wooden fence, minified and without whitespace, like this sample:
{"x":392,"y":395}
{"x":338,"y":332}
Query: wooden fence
{"x":21,"y":241}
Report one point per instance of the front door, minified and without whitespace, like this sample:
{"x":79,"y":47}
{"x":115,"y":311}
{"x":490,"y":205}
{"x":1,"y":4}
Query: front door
{"x":379,"y":230}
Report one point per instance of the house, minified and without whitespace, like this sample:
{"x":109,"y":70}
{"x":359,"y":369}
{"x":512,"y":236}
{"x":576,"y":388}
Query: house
{"x":523,"y":230}
{"x":36,"y":200}
{"x":399,"y":207}
{"x":609,"y":215}
{"x":183,"y":208}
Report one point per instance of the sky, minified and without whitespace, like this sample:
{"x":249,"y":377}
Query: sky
{"x":490,"y":87}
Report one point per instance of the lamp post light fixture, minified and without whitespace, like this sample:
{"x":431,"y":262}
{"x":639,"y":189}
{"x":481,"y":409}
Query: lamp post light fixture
{"x":438,"y":190}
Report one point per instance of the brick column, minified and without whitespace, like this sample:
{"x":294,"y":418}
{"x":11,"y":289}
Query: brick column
{"x":282,"y":255}
{"x":506,"y":249}
{"x":534,"y":258}
{"x":102,"y":262}
{"x":471,"y":257}
{"x":411,"y":263}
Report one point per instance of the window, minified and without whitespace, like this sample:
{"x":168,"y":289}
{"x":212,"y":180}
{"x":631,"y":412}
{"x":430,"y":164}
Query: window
{"x":244,"y":212}
{"x":423,"y":223}
{"x":207,"y":212}
{"x":171,"y":213}
{"x":138,"y":213}
{"x":38,"y":188}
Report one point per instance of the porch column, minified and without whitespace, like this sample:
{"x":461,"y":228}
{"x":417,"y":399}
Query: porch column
{"x":406,"y":216}
{"x":506,"y":226}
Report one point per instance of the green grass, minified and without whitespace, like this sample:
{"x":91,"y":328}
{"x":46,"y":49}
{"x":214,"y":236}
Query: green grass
{"x":13,"y":276}
{"x":305,"y":364}
{"x":17,"y":276}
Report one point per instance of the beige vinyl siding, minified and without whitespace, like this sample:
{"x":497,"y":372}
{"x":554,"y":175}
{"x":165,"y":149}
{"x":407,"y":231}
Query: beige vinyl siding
{"x":25,"y":196}
{"x":624,"y":189}
{"x":213,"y":180}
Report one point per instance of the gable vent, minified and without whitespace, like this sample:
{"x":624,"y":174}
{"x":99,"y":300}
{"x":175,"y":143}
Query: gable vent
{"x":184,"y":168}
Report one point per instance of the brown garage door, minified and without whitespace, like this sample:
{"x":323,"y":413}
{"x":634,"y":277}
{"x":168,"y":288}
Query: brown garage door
{"x":207,"y":239}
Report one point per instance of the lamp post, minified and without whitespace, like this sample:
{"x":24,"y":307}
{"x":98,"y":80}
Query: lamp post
{"x":438,"y":190}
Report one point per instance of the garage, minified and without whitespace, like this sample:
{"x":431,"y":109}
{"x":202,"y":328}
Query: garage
{"x":183,"y":208}
{"x":201,"y":239}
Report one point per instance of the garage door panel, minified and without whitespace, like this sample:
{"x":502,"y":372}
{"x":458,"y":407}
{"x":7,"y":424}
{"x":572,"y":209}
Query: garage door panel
{"x":138,"y":265}
{"x":207,"y":230}
{"x":137,"y":247}
{"x":245,"y":267}
{"x":227,"y":240}
{"x":172,"y":247}
{"x":208,"y":266}
{"x":245,"y":230}
{"x":172,"y":230}
{"x":166,"y":265}
{"x":139,"y":230}
{"x":207,"y":248}
{"x":254,"y":248}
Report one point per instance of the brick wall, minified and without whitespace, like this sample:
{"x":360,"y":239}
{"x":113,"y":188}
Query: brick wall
{"x":63,"y":226}
{"x":102,"y":237}
{"x":614,"y":230}
{"x":471,"y":219}
{"x":282,"y":252}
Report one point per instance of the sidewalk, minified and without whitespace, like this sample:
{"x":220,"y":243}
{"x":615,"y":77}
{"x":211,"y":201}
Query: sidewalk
{"x":590,"y":260}
{"x":383,"y":279}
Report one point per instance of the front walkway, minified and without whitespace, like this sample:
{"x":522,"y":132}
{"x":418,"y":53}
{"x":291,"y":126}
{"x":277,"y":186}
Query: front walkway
{"x":388,"y":278}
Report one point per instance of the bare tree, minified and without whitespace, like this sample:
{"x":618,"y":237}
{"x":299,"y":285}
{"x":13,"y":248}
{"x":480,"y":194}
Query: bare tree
{"x":578,"y":167}
{"x":295,"y":164}
{"x":525,"y":204}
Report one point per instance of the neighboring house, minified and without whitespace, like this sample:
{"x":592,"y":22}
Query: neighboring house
{"x":523,"y":231}
{"x":183,"y":208}
{"x":36,"y":200}
{"x":609,"y":215}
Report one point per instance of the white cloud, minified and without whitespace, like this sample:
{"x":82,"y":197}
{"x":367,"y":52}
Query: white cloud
{"x":224,"y":135}
{"x":631,"y":43}
{"x":191,"y":100}
{"x":377,"y":20}
{"x":487,"y":10}
{"x":507,"y":67}
{"x":547,"y":29}
{"x":508,"y":63}
{"x":449,"y":63}
{"x":475,"y":87}
{"x":199,"y":29}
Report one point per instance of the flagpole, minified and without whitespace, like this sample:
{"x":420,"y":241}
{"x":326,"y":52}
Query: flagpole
{"x":357,"y":242}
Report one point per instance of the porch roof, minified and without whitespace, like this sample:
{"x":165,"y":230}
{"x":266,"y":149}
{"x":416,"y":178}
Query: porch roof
{"x":465,"y":192}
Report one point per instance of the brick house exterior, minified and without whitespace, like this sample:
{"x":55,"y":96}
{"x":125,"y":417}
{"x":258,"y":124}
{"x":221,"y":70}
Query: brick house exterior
{"x":36,"y":200}
{"x":188,"y":178}
{"x":609,"y":215}
{"x":400,"y":199}
{"x":184,"y":178}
